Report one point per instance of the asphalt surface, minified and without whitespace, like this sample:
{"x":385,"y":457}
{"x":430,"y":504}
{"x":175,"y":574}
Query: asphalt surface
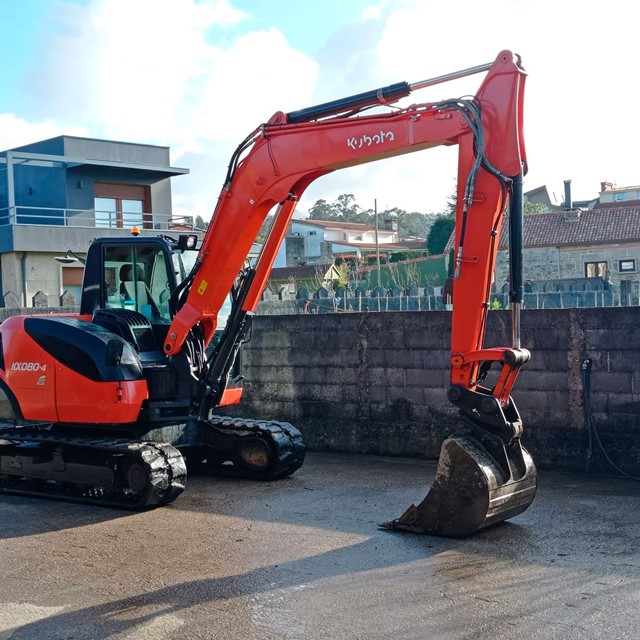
{"x":302,"y":558}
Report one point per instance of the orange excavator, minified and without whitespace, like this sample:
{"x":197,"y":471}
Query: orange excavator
{"x":110,"y":405}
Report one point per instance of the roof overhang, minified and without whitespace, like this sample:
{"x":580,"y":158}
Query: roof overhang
{"x":48,"y":160}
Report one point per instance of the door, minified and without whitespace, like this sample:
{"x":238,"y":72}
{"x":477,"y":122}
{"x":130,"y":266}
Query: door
{"x":122,"y":205}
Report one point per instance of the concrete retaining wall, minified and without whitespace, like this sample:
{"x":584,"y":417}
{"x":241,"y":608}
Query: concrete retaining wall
{"x":376,"y":382}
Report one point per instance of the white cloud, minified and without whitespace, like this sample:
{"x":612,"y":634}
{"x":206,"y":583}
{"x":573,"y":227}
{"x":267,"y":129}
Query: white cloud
{"x":374,"y":12}
{"x":17,"y":132}
{"x":579,"y":94}
{"x":220,"y":13}
{"x":169,"y":72}
{"x":194,"y":74}
{"x":240,"y":93}
{"x":580,"y":77}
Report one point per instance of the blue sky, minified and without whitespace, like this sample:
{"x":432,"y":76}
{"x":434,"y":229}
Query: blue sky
{"x":198,"y":75}
{"x":19,"y":26}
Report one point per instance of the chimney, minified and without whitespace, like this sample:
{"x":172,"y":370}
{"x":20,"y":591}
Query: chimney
{"x":571,"y":215}
{"x":567,"y":195}
{"x":606,"y":186}
{"x":390,"y":224}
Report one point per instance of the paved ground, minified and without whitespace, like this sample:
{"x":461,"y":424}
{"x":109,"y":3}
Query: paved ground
{"x":303,"y":559}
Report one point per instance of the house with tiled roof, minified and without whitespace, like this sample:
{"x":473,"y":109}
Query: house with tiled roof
{"x":603,"y":242}
{"x":310,"y":242}
{"x":612,"y":196}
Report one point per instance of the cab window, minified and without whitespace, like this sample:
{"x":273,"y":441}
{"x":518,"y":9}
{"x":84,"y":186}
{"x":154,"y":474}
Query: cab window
{"x":136,"y":278}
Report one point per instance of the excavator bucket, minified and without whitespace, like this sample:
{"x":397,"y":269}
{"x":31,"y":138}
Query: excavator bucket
{"x":479,"y":481}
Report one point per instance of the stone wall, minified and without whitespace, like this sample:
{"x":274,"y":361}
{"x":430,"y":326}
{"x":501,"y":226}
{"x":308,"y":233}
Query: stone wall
{"x":376,"y":383}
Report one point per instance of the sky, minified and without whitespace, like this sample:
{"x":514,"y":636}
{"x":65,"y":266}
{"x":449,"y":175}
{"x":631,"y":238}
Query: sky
{"x":199,"y":75}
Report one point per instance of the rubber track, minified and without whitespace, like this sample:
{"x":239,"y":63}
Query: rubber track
{"x":163,"y":464}
{"x":285,"y":443}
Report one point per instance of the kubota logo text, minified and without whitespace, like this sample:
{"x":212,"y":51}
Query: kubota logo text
{"x":377,"y":138}
{"x":28,"y":366}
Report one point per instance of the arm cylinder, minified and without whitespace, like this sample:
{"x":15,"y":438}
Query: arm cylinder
{"x":384,"y":95}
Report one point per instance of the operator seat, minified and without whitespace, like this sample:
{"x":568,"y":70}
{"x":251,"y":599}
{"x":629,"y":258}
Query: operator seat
{"x":132,"y":284}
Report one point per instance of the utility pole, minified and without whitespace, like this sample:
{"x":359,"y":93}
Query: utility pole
{"x":375,"y":215}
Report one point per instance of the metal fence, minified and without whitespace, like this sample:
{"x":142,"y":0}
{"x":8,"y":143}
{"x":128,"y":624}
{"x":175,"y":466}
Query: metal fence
{"x":324,"y":300}
{"x":92,"y":218}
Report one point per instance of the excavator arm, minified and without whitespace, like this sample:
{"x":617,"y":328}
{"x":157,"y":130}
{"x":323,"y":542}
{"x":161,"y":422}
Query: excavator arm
{"x":280,"y":159}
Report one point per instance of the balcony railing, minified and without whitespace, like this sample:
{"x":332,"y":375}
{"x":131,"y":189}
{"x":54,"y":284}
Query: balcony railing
{"x":92,"y":218}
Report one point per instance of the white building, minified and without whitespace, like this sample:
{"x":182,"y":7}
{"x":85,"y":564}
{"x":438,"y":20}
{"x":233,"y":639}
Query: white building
{"x":318,"y":241}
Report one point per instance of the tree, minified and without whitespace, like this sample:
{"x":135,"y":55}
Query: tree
{"x":200,"y":223}
{"x":533,"y":208}
{"x":265,"y":228}
{"x":414,"y":224}
{"x":343,"y":276}
{"x":321,"y":210}
{"x":452,"y":201}
{"x":439,"y":233}
{"x":401,"y":256}
{"x":344,"y":209}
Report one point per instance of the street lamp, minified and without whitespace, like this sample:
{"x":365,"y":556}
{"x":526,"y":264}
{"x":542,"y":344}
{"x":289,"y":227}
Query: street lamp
{"x":69,"y":258}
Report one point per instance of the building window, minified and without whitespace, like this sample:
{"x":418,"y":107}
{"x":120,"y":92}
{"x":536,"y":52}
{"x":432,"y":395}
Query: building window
{"x":619,"y":197}
{"x":627,"y":265}
{"x":122,"y":205}
{"x":595,"y":269}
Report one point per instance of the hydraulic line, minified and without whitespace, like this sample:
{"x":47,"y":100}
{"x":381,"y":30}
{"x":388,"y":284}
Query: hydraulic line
{"x":594,"y":435}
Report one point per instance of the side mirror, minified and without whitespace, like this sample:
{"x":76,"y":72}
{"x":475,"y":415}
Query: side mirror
{"x":187,"y":242}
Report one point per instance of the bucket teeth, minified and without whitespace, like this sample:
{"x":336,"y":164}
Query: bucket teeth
{"x":471,"y":490}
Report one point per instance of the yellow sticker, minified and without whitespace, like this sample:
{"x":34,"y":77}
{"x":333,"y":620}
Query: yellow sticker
{"x":203,"y":287}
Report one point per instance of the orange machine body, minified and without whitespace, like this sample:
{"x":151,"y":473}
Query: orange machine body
{"x":44,"y":388}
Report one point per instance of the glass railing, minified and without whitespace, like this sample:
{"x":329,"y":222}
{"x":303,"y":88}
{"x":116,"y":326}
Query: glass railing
{"x":92,"y":218}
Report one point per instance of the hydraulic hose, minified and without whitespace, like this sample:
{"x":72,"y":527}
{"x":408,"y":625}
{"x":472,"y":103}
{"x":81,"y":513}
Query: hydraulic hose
{"x":592,"y":429}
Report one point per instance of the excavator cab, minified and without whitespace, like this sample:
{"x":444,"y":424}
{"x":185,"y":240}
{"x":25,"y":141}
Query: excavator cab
{"x":132,"y":287}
